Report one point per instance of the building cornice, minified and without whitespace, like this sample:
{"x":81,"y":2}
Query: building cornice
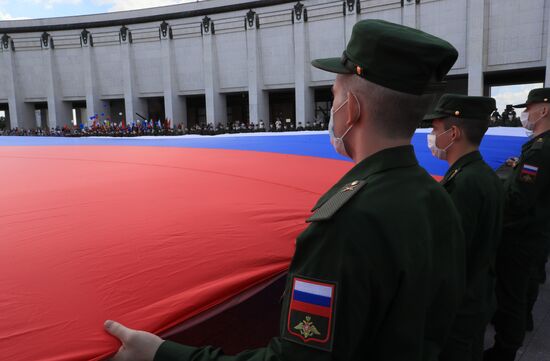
{"x":58,"y":24}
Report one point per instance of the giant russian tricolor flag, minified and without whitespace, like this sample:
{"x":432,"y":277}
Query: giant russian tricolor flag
{"x":159,"y":232}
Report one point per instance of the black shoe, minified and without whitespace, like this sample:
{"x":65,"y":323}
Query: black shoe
{"x":498,"y":354}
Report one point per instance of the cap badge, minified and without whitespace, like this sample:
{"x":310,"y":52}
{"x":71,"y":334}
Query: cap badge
{"x":351,"y":186}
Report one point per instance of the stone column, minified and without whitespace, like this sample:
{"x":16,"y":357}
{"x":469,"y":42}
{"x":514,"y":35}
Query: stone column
{"x":21,"y":114}
{"x":94,"y":105}
{"x":59,"y":112}
{"x":258,"y":99}
{"x":216,"y":108}
{"x":408,"y":14}
{"x":352,"y":9}
{"x":302,"y":67}
{"x":174,"y":107}
{"x":476,"y":58}
{"x":133,"y":104}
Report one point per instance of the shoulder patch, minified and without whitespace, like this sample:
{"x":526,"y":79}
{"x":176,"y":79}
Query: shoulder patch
{"x":528,"y":173}
{"x":311,"y":310}
{"x":333,"y":204}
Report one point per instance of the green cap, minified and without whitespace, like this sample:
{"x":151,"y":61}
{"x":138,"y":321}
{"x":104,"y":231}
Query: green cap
{"x":462,"y":106}
{"x":393,"y":56}
{"x":539,"y":95}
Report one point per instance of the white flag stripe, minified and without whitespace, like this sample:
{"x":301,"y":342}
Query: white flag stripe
{"x":530,"y":167}
{"x":312,"y":288}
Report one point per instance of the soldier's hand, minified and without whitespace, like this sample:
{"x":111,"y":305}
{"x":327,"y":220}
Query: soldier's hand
{"x":136,"y":345}
{"x":512,"y":162}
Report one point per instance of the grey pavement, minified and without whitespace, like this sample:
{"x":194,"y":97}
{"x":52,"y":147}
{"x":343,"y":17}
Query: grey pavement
{"x":536,"y":346}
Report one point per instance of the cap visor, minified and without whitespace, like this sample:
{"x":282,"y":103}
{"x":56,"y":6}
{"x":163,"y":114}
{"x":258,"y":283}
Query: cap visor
{"x":520,"y":105}
{"x":333,"y":65}
{"x":432,"y":116}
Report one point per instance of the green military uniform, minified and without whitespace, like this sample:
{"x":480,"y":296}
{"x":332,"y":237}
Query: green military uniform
{"x":539,"y":272}
{"x":477,"y":193}
{"x":379,"y":271}
{"x":524,"y":241}
{"x":392,"y":253}
{"x":478,"y":196}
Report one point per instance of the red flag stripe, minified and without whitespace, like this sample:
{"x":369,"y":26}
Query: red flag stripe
{"x":309,"y":308}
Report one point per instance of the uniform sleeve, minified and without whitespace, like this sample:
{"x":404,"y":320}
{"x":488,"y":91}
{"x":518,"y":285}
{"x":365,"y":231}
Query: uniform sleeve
{"x":277,"y":350}
{"x":466,"y":203}
{"x":350,"y":307}
{"x":524,"y":188}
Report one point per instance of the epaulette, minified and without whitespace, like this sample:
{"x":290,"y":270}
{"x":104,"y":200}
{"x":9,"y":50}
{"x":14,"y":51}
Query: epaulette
{"x":451,"y":176}
{"x":333,"y":204}
{"x":538,"y":144}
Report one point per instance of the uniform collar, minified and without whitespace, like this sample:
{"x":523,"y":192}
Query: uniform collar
{"x":390,"y":158}
{"x":461,"y":163}
{"x":533,"y":140}
{"x":465,"y":160}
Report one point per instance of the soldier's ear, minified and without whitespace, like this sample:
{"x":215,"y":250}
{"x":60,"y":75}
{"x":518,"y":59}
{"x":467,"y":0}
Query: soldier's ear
{"x":544,"y":111}
{"x":354,"y":109}
{"x":456,"y":132}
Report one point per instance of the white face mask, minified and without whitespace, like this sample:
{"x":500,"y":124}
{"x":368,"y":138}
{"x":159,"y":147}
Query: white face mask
{"x":524,"y":117}
{"x":338,"y":142}
{"x":436,"y":151}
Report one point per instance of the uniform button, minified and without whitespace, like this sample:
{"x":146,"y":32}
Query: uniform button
{"x":457,"y":113}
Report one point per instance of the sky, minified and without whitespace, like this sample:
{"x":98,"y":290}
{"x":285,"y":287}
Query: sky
{"x":37,"y":9}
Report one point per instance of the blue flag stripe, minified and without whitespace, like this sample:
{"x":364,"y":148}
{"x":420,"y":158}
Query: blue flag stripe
{"x":311,"y":298}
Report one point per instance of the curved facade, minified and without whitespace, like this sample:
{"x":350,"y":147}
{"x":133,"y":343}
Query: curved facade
{"x":224,"y":60}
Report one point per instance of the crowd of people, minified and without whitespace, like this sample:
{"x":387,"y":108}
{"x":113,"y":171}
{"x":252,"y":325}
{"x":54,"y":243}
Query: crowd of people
{"x":151,"y":128}
{"x":507,"y":118}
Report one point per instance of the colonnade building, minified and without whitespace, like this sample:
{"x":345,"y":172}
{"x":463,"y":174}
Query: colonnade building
{"x":220,"y":61}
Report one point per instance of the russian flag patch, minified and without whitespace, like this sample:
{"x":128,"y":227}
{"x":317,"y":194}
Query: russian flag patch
{"x":529,"y":173}
{"x":311,"y":313}
{"x":530,"y":169}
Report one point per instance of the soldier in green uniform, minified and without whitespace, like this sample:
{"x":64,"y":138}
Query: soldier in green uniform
{"x":459,"y":124}
{"x":379,"y":272}
{"x":538,"y":276}
{"x":526,"y":215}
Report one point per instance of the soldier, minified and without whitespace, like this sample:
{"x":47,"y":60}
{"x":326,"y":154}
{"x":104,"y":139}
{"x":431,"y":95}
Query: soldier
{"x":495,"y":119}
{"x":378,"y":274}
{"x":526,"y":214}
{"x":459,"y":124}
